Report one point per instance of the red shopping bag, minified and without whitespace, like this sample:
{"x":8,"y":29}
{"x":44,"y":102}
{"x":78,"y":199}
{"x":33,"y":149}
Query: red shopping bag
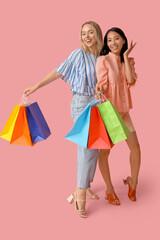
{"x":98,"y":136}
{"x":21,"y":133}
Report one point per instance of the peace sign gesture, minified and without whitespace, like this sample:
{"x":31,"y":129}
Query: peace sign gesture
{"x":127,"y":52}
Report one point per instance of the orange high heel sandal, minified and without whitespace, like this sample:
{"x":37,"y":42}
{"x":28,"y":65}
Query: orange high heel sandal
{"x":112,"y":198}
{"x":131,"y":191}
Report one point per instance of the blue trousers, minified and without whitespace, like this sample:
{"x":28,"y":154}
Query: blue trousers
{"x":86,"y":158}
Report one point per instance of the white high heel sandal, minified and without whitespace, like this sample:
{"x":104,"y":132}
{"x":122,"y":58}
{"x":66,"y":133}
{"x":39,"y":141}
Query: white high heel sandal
{"x":72,"y":199}
{"x":93,"y":196}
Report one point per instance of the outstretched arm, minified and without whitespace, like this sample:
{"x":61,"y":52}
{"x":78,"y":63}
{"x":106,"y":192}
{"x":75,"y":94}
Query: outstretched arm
{"x":48,"y":79}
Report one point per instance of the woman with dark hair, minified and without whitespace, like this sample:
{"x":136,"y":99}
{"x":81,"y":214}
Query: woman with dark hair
{"x":116,"y":74}
{"x":79,"y":71}
{"x":105,"y":50}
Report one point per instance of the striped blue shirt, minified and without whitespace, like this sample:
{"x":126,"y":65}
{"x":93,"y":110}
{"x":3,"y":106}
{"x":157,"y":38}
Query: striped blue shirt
{"x":79,"y":71}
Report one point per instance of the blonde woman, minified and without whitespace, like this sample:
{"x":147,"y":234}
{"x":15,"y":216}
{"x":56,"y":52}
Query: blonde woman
{"x":79,"y":71}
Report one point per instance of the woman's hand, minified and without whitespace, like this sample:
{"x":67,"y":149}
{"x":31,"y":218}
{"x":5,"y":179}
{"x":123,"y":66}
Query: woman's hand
{"x":30,"y":90}
{"x":128,"y":68}
{"x":127,"y":52}
{"x":99,"y":88}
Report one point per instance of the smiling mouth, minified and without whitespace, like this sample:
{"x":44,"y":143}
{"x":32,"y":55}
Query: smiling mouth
{"x":114,"y":47}
{"x":88,"y":41}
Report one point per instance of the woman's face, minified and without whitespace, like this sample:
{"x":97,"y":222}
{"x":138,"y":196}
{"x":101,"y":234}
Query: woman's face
{"x":115,"y":42}
{"x":88,"y":36}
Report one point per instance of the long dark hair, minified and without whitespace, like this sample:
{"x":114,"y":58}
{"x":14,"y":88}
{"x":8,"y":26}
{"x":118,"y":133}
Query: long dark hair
{"x":105,"y":50}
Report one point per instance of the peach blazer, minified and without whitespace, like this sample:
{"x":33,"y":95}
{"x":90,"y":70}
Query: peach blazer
{"x":111,"y":74}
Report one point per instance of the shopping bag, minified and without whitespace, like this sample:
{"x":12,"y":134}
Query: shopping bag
{"x":98,"y":136}
{"x":114,"y":123}
{"x":80,"y":130}
{"x":21,"y":133}
{"x":9,"y":126}
{"x":39,"y":129}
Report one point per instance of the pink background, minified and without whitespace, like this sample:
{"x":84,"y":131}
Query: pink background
{"x":36,"y":36}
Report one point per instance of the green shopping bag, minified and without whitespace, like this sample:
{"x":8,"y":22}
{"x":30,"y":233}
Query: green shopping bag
{"x":113,"y":122}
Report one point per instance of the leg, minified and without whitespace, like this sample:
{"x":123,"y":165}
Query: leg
{"x":86,"y":165}
{"x":87,"y":158}
{"x":89,"y":193}
{"x":104,"y":168}
{"x":93,"y":168}
{"x":135,"y":158}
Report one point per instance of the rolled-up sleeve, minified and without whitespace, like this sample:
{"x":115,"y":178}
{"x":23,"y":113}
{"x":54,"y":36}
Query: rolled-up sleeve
{"x":134,"y":75}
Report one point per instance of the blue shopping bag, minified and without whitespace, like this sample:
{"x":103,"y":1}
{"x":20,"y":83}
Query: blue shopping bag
{"x":38,"y":126}
{"x":80,"y":130}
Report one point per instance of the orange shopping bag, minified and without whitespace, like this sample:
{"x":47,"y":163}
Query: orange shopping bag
{"x":21,"y":133}
{"x":98,"y":136}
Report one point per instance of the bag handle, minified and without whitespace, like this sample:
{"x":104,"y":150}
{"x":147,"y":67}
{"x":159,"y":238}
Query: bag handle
{"x":25,"y":100}
{"x":95,"y":102}
{"x":101,"y":96}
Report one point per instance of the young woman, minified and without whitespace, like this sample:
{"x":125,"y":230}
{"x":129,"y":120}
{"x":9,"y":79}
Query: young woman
{"x":79,"y":71}
{"x":116,"y":74}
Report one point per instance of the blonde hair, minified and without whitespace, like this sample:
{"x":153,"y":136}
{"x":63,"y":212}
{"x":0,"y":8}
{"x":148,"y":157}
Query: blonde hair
{"x":98,"y":34}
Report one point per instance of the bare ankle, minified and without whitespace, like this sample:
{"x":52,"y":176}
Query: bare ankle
{"x":133,"y":183}
{"x":110,"y":189}
{"x":81,"y":193}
